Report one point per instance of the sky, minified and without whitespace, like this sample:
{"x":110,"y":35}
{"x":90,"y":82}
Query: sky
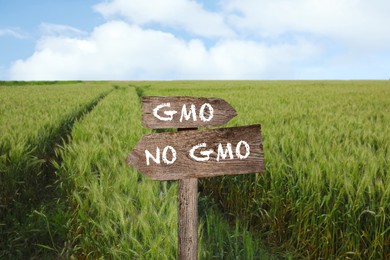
{"x":194,"y":39}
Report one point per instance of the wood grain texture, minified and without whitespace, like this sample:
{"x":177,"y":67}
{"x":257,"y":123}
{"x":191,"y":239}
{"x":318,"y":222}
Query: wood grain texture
{"x":187,"y":167}
{"x":222,"y":112}
{"x":188,"y":219}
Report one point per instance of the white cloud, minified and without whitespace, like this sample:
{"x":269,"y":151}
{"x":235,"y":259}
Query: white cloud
{"x":182,"y":14}
{"x":117,"y":50}
{"x":12,"y":32}
{"x":357,"y":23}
{"x":244,"y":39}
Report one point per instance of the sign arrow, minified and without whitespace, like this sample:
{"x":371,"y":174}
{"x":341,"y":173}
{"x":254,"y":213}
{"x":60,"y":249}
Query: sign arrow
{"x":196,"y":154}
{"x":185,"y":112}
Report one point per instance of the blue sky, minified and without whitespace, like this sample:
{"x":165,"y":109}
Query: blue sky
{"x":187,"y":39}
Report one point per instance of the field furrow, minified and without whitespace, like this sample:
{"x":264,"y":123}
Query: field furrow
{"x":116,"y":211}
{"x":119,"y":213}
{"x":324,"y":194}
{"x":32,"y":128}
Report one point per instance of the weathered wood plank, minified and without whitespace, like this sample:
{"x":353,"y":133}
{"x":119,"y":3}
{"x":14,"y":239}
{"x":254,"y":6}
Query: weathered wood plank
{"x":185,"y":112}
{"x":188,"y":219}
{"x":196,"y":154}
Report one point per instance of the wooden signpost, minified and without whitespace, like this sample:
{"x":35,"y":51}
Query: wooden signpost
{"x":196,"y":154}
{"x":192,"y":154}
{"x":185,"y":112}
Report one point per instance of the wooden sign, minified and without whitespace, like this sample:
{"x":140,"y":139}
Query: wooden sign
{"x":185,"y":112}
{"x":196,"y":154}
{"x":189,"y":155}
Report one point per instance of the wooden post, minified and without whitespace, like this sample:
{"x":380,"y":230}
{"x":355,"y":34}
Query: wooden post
{"x":188,"y":219}
{"x":188,"y":216}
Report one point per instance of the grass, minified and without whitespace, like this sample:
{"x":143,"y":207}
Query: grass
{"x":118,"y":213}
{"x":221,"y":239}
{"x":34,"y":119}
{"x":31,"y":83}
{"x":325,"y":192}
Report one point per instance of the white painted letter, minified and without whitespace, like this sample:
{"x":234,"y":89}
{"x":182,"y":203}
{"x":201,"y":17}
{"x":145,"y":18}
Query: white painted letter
{"x":187,"y":116}
{"x":223,"y":153}
{"x":201,"y":112}
{"x":238,"y":150}
{"x":168,"y":113}
{"x":206,"y":154}
{"x":164,"y":155}
{"x":155,"y":159}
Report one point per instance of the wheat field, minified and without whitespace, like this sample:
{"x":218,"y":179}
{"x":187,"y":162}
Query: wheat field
{"x":67,"y":191}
